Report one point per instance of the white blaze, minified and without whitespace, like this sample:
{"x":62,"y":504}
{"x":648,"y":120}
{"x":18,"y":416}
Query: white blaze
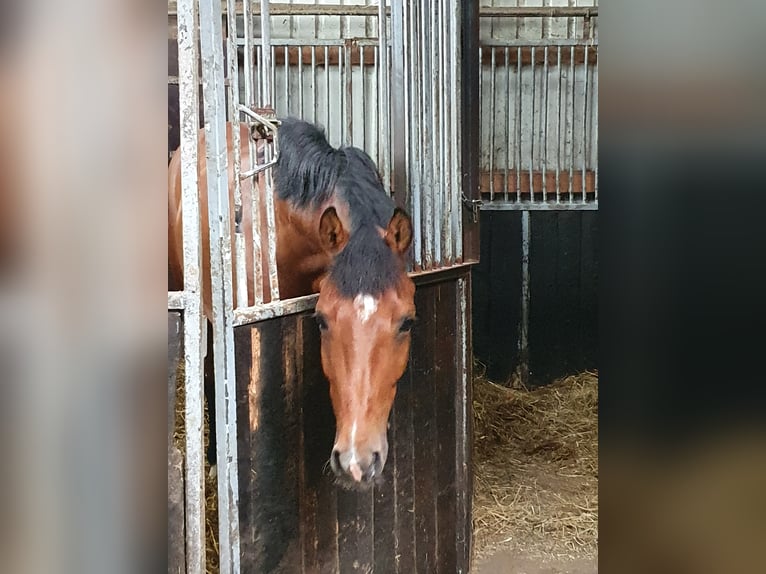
{"x":365,"y":306}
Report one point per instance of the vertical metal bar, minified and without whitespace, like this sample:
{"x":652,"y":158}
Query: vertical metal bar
{"x":594,"y":134}
{"x":247,"y":32}
{"x":211,"y":39}
{"x":400,"y":120}
{"x":518,"y":123}
{"x":363,"y":115}
{"x":300,"y":83}
{"x":525,"y":299}
{"x":532,"y":132}
{"x":482,"y":125}
{"x":255,"y":199}
{"x":544,"y":130}
{"x":435,"y":189}
{"x":327,"y":88}
{"x":272,"y":92}
{"x":507,"y":145}
{"x":188,"y":87}
{"x":342,"y":96}
{"x":419,"y":30}
{"x":267,"y":61}
{"x":240,"y":275}
{"x":584,"y":122}
{"x":314,"y":84}
{"x":384,"y":103}
{"x":287,"y":111}
{"x":570,"y":128}
{"x":456,"y":165}
{"x":444,"y":142}
{"x":349,"y":94}
{"x":268,"y":192}
{"x":558,"y":125}
{"x":492,"y":125}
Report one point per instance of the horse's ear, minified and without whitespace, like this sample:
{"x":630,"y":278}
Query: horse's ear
{"x":399,"y":232}
{"x":332,"y":234}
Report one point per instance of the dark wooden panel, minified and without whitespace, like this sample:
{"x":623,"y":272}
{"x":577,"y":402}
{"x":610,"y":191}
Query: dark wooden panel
{"x":403,"y":474}
{"x":268,"y":452}
{"x":423,"y":381}
{"x":497,"y":294}
{"x":446,"y":370}
{"x":355,"y":532}
{"x":319,"y":505}
{"x":292,"y":516}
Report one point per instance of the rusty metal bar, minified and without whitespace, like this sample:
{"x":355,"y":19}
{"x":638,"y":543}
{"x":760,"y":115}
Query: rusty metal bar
{"x":314,"y":85}
{"x":363,"y":106}
{"x":301,"y":109}
{"x":349,"y":96}
{"x":327,"y":90}
{"x":544,"y":130}
{"x":274,"y":309}
{"x":572,"y":85}
{"x":287,"y":111}
{"x":211,"y":39}
{"x":268,"y":72}
{"x":188,"y":95}
{"x":507,"y":121}
{"x":500,"y":205}
{"x":518,"y":124}
{"x":240,"y":268}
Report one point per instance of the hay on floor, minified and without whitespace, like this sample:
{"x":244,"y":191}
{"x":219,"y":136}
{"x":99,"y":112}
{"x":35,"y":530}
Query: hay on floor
{"x":211,"y":485}
{"x":536,"y":467}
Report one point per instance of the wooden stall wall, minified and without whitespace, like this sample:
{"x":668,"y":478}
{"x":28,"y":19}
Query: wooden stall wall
{"x":293,"y":519}
{"x":563,"y":319}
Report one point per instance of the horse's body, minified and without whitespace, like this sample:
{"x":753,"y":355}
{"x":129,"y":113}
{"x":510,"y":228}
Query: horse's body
{"x":339,"y":234}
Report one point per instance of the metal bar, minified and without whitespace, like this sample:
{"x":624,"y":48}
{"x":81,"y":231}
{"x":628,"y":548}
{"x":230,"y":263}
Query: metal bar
{"x":399,"y":123}
{"x":507,"y":121}
{"x":314,"y":85}
{"x":544,"y":129}
{"x":532,"y":132}
{"x":282,"y":9}
{"x":558,"y":125}
{"x":300,"y":84}
{"x":240,"y":275}
{"x":571,"y":84}
{"x":499,"y":205}
{"x":445,"y":183}
{"x":492,"y":126}
{"x":420,"y":36}
{"x":327,"y":89}
{"x":274,"y":309}
{"x":528,"y":43}
{"x":188,"y":95}
{"x":525,"y":300}
{"x":211,"y":39}
{"x":362,"y":102}
{"x":518,"y":123}
{"x":349,"y":96}
{"x":176,"y":300}
{"x":434,"y":188}
{"x":584,"y":122}
{"x":594,"y":134}
{"x":383,"y":97}
{"x":271,"y":233}
{"x":342,"y":97}
{"x":251,"y":50}
{"x":319,"y":42}
{"x":287,"y":82}
{"x":456,"y":171}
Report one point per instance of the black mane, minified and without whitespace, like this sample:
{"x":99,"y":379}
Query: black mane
{"x":307,"y":173}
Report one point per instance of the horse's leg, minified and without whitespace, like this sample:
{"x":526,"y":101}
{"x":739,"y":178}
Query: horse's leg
{"x":210,"y":396}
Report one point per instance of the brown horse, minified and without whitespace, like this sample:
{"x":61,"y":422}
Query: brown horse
{"x":340,"y":234}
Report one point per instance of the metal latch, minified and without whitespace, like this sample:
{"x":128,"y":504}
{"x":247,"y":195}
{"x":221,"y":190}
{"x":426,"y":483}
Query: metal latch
{"x":473,"y":205}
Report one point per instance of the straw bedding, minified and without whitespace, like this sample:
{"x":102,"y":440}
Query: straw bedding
{"x":536,"y":467}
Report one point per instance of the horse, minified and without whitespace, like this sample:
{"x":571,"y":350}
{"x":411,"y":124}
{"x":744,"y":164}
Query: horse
{"x":340,"y":235}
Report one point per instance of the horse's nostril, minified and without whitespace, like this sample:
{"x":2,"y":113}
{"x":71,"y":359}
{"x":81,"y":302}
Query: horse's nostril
{"x":376,"y":460}
{"x":335,"y":461}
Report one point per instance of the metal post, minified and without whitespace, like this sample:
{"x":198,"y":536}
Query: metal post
{"x":188,"y":87}
{"x":211,"y":39}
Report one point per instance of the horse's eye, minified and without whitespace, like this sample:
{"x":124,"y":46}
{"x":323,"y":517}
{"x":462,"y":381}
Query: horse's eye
{"x":321,"y":321}
{"x":406,"y":325}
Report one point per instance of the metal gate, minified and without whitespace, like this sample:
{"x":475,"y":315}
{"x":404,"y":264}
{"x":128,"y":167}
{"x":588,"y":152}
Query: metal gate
{"x":388,"y":80}
{"x":539,"y":120}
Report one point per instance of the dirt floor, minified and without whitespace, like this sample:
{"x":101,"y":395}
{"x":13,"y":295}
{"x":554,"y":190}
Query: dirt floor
{"x":536,"y":477}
